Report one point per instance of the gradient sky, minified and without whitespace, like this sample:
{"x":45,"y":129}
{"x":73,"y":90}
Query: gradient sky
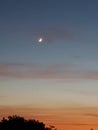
{"x":55,"y":81}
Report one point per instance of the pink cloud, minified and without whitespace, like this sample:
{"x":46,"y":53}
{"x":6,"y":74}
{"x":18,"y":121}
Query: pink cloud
{"x":54,"y":34}
{"x":52,"y":71}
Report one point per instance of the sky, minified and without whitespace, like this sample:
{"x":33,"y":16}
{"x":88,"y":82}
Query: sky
{"x":56,"y":80}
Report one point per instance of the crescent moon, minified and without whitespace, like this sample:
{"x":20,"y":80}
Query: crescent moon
{"x":40,"y":40}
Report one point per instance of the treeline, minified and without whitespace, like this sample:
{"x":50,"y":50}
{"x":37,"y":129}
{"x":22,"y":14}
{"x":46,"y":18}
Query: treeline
{"x":19,"y":123}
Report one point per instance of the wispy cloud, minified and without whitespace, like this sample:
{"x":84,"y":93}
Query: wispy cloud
{"x":74,"y":124}
{"x":53,"y":34}
{"x":91,"y":114}
{"x":52,"y":71}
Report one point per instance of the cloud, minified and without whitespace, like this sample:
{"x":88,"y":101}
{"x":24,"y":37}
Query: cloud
{"x":30,"y":71}
{"x":91,"y":114}
{"x":49,"y":72}
{"x":75,"y":124}
{"x":53,"y":34}
{"x":1,"y":96}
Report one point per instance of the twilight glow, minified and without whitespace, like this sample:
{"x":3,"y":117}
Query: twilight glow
{"x":56,"y":81}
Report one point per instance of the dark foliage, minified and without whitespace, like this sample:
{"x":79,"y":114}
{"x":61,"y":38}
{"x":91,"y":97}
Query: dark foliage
{"x":19,"y":123}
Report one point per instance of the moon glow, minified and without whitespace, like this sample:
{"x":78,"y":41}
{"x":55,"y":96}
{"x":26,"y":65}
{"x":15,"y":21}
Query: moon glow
{"x":40,"y":40}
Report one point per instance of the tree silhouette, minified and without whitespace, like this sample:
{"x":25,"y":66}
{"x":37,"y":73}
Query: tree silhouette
{"x":16,"y":122}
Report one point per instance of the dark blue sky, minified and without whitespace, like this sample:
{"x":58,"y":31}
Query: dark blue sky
{"x":69,"y":29}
